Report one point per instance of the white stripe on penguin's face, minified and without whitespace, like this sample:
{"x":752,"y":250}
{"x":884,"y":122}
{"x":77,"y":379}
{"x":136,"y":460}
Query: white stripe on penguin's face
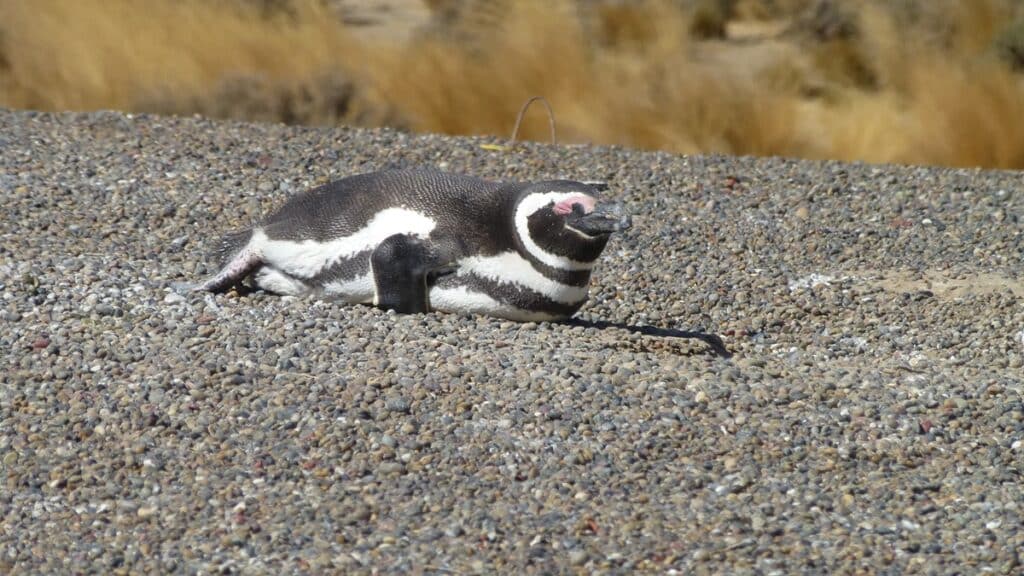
{"x":511,"y":268}
{"x":527,"y":206}
{"x":307,"y":258}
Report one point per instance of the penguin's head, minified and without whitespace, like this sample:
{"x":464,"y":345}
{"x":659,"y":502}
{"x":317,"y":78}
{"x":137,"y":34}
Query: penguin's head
{"x":567,"y":222}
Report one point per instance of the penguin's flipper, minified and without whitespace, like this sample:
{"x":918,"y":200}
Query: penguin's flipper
{"x":401,"y":266}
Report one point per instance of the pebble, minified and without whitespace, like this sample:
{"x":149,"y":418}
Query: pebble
{"x":578,"y":557}
{"x":858,"y":414}
{"x":398,"y":404}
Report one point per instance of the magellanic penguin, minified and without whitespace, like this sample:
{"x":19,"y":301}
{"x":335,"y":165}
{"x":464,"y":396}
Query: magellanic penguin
{"x":419,"y":240}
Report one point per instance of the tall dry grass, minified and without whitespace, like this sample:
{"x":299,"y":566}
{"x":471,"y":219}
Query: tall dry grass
{"x":651,"y":94}
{"x":937,"y":96}
{"x":917,"y":84}
{"x":139,"y":54}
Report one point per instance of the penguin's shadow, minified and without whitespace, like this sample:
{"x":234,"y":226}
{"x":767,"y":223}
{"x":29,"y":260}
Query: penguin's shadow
{"x":665,"y":335}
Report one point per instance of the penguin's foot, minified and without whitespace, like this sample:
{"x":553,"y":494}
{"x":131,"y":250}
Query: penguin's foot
{"x":247,"y":261}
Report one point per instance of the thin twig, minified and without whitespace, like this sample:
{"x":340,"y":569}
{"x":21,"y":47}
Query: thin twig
{"x":522,"y":112}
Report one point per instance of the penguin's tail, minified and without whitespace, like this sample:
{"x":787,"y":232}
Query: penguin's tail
{"x":230,"y":245}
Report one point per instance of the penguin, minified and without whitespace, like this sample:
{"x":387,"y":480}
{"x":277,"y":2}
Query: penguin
{"x":415,"y":241}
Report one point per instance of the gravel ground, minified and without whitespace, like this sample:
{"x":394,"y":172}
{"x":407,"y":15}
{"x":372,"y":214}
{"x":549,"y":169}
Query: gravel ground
{"x":868,"y":416}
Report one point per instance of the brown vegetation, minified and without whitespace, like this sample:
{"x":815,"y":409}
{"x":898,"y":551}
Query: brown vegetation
{"x":910,"y":81}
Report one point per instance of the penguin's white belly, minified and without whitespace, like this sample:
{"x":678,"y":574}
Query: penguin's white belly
{"x":457,"y":295}
{"x":295,"y":267}
{"x":308,"y":258}
{"x":512,"y":269}
{"x":462,"y":300}
{"x":358,"y":290}
{"x":458,"y":299}
{"x":507,"y":272}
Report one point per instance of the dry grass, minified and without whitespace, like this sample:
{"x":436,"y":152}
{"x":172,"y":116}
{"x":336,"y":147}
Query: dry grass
{"x":625,"y":74}
{"x":929,"y":100}
{"x":649,"y":95}
{"x":122,"y":54}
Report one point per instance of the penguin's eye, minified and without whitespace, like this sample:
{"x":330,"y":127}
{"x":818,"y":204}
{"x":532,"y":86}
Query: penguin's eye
{"x":578,"y":209}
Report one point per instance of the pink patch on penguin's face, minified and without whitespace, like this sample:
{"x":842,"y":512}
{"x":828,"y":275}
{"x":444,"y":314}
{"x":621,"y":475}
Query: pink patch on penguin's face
{"x":564,"y":207}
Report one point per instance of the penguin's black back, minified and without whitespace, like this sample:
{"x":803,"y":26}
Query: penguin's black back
{"x":456,"y":202}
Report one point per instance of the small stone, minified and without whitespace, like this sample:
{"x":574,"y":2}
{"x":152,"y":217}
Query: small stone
{"x":578,"y":557}
{"x":359,"y":515}
{"x":390,"y":468}
{"x":397,"y":404}
{"x":173,"y":298}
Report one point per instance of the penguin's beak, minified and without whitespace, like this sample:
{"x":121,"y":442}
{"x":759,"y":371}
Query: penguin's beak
{"x":605,"y":218}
